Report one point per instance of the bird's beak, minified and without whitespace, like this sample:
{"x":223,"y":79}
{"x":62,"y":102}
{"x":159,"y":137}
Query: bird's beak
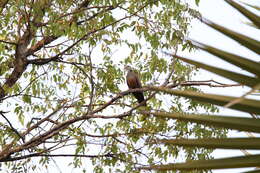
{"x":127,"y":68}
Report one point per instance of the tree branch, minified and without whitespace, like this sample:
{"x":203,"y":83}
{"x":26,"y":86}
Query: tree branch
{"x":45,"y":41}
{"x":54,"y":155}
{"x":12,"y":127}
{"x":3,"y":3}
{"x":58,"y":127}
{"x":20,"y":62}
{"x":56,"y":57}
{"x":8,"y":42}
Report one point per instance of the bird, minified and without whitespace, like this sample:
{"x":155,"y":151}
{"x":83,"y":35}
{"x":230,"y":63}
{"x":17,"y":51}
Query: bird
{"x":133,"y":82}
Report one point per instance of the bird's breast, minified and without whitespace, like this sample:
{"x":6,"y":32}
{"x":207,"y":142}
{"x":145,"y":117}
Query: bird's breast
{"x":131,"y":82}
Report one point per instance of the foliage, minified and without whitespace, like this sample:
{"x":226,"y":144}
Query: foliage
{"x":243,"y":103}
{"x":62,"y":82}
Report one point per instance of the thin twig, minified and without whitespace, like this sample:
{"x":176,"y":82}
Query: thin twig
{"x":8,"y":42}
{"x":12,"y":127}
{"x":233,"y":102}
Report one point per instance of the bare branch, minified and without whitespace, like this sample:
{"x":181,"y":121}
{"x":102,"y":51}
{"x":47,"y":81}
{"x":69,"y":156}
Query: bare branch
{"x":45,"y":41}
{"x":235,"y":101}
{"x":8,"y":42}
{"x":91,"y":79}
{"x":53,"y":155}
{"x":41,"y":121}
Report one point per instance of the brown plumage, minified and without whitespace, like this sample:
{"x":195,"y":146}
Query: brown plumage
{"x":133,"y":82}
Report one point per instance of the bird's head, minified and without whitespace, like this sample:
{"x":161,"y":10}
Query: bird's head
{"x":128,"y":68}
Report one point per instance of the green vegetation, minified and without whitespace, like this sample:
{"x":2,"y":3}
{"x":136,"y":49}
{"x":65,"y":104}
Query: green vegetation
{"x":63,"y":95}
{"x":250,"y":106}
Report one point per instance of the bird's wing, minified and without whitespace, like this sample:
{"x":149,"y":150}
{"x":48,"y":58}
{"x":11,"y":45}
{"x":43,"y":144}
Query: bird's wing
{"x":139,"y":85}
{"x":133,"y":80}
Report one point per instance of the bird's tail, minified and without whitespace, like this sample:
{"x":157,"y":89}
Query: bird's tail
{"x":140,"y":97}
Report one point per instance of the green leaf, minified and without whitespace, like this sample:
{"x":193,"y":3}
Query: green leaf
{"x":247,"y":105}
{"x":231,"y":162}
{"x":251,"y":16}
{"x":27,"y":99}
{"x":235,"y":123}
{"x":250,"y":43}
{"x":197,"y":2}
{"x":252,"y":6}
{"x":240,"y":78}
{"x":21,"y":117}
{"x":243,"y":63}
{"x":227,"y":143}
